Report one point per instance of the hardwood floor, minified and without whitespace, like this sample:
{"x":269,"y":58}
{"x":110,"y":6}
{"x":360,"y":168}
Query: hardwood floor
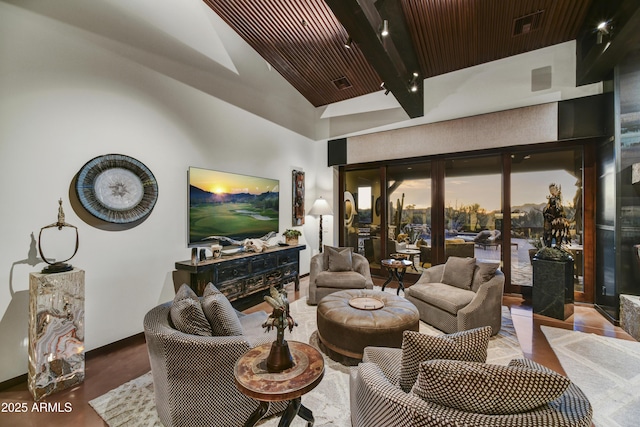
{"x":128,"y":359}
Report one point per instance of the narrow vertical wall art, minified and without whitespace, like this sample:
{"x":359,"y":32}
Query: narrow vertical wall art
{"x":298,"y":198}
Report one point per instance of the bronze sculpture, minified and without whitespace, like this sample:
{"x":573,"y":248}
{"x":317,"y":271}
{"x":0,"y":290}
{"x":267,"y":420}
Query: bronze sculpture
{"x":279,"y":357}
{"x":57,"y":266}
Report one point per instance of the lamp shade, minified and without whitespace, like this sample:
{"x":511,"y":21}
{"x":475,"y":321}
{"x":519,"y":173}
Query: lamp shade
{"x":320,"y":207}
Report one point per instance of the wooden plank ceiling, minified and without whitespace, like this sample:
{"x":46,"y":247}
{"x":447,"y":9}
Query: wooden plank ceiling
{"x":304,"y":40}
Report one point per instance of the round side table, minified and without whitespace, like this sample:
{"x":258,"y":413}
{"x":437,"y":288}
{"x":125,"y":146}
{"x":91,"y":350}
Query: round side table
{"x":253,"y":380}
{"x":396,"y":268}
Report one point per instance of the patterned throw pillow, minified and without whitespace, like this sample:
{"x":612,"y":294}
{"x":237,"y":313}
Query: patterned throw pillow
{"x":487,"y":389}
{"x":187,"y":315}
{"x":340,"y":259}
{"x":220,"y":313}
{"x":458,"y":272}
{"x":468,"y":345}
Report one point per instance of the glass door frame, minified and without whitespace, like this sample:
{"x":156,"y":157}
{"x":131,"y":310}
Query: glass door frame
{"x":438,"y":205}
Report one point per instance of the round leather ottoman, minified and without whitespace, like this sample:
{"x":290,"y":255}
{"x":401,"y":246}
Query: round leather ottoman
{"x":381,"y":320}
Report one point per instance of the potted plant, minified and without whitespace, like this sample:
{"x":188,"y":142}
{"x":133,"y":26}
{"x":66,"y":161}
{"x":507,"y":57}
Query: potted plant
{"x":537,"y":244}
{"x":291,"y":236}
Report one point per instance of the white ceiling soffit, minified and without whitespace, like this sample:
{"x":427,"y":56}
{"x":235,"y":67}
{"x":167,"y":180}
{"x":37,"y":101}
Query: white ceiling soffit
{"x":190,"y":21}
{"x":376,"y":101}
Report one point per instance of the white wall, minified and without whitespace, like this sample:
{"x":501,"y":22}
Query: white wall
{"x":67,"y":96}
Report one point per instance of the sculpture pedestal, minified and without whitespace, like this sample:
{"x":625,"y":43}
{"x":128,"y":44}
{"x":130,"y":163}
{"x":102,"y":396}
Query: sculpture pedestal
{"x":630,"y":315}
{"x":56,"y":332}
{"x":553,"y":288}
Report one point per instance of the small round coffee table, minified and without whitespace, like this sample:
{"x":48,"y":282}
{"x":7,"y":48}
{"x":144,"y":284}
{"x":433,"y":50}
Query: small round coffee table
{"x":253,"y":380}
{"x":396,"y":268}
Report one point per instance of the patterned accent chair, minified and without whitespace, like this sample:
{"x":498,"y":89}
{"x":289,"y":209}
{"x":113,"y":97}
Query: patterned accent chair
{"x":377,"y":400}
{"x":324,"y":279}
{"x":193,"y":375}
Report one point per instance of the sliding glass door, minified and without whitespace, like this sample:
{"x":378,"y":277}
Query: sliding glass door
{"x":362,"y":206}
{"x":409,"y":213}
{"x":485,"y":206}
{"x":473,"y":208}
{"x":532,"y":174}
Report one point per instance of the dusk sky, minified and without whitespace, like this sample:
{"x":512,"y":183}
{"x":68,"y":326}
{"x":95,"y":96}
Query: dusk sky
{"x":223,"y":182}
{"x":529,"y":187}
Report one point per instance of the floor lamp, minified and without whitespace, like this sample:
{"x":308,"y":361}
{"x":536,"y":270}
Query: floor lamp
{"x":320,"y":207}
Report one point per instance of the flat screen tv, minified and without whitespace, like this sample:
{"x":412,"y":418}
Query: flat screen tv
{"x":231,"y":206}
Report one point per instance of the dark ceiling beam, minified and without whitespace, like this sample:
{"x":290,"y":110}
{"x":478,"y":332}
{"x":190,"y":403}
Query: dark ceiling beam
{"x":392,"y":57}
{"x":595,"y":62}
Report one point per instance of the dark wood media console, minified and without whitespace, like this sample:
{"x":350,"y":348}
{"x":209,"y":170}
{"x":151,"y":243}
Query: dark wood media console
{"x":244,"y":273}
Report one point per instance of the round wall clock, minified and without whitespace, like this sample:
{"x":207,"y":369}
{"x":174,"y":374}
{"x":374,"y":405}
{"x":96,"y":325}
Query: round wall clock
{"x":117,"y":188}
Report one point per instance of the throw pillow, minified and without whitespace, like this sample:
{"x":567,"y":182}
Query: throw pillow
{"x":187,"y":315}
{"x":325,"y":254}
{"x":458,"y":272}
{"x":486,"y":271}
{"x":210,"y":289}
{"x":487,"y":389}
{"x":468,"y":345}
{"x":340,"y":259}
{"x":220,"y":313}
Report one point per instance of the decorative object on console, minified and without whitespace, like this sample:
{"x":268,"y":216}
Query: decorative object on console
{"x":216,"y":251}
{"x":255,"y":245}
{"x":56,"y":332}
{"x":279,"y":357}
{"x":58,"y":266}
{"x":298,"y":198}
{"x":320,"y":207}
{"x":117,"y":188}
{"x":291,"y":236}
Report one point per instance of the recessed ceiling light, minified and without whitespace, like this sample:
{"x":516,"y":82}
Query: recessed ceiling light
{"x":385,"y":28}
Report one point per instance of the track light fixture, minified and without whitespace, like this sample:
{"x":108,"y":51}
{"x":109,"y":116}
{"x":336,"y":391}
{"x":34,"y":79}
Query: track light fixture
{"x":413,"y":83}
{"x":386,"y":91}
{"x":603,"y":29}
{"x":348,"y":43}
{"x":385,"y":28}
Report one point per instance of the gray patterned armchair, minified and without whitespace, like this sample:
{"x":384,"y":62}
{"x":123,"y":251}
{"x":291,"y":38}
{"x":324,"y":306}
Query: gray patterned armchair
{"x":193,"y":375}
{"x":377,"y":400}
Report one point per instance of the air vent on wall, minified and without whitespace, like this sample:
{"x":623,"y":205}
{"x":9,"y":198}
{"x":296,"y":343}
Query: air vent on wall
{"x":527,"y":23}
{"x":342,"y":83}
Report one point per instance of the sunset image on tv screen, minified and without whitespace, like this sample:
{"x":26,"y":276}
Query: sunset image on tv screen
{"x":223,"y":204}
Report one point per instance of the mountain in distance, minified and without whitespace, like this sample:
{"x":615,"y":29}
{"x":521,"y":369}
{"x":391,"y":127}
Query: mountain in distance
{"x":528,"y":207}
{"x":198,"y":196}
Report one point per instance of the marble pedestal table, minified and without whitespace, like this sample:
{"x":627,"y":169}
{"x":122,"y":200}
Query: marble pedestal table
{"x":56,"y":332}
{"x":630,"y":314}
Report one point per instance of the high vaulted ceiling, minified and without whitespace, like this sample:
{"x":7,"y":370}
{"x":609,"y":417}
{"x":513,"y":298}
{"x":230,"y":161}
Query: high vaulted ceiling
{"x":304,"y":40}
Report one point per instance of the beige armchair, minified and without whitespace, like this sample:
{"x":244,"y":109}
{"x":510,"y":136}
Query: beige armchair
{"x":453,"y":308}
{"x":323,"y":282}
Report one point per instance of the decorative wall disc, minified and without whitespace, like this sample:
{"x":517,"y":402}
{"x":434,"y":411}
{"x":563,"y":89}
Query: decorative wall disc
{"x":117,"y":188}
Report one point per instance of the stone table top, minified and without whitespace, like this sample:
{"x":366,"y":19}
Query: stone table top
{"x":396,"y":263}
{"x":253,"y":379}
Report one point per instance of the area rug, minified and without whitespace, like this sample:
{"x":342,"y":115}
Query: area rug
{"x":132,"y":404}
{"x":606,"y":369}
